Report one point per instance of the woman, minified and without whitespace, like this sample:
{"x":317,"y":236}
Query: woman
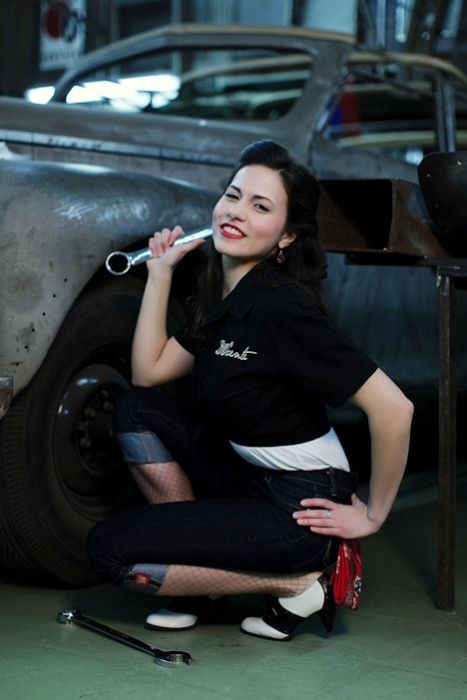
{"x":257,"y":498}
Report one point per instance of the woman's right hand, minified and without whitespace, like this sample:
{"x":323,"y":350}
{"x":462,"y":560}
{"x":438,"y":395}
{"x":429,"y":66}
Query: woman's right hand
{"x":165,"y":255}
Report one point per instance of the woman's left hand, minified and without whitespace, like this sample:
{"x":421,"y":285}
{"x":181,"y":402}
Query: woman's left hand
{"x":326,"y":517}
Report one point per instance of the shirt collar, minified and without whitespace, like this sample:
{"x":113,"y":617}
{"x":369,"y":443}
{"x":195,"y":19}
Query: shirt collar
{"x":241,"y":299}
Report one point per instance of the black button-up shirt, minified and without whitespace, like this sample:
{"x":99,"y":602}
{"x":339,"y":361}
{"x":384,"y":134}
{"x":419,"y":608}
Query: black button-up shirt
{"x":269,"y":361}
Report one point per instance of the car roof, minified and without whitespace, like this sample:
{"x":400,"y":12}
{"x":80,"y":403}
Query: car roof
{"x":182,"y":34}
{"x":178,"y":34}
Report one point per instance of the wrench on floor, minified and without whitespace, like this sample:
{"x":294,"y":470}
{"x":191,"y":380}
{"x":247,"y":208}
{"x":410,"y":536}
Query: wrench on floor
{"x":161,"y":657}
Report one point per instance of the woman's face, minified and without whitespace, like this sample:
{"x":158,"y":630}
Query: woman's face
{"x":249,"y":219}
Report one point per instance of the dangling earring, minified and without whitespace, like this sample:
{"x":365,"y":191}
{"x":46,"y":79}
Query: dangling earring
{"x":280,"y":256}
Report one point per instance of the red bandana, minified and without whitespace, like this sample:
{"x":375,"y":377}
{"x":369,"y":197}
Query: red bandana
{"x":346,"y":579}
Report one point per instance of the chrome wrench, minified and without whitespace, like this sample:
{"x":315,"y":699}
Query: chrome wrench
{"x":161,"y":657}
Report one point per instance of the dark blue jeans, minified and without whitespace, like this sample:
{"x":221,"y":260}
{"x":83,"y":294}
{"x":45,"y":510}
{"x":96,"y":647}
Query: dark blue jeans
{"x":242,"y":515}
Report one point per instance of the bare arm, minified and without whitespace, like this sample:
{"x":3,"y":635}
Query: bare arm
{"x":155,"y":358}
{"x":389,"y":415}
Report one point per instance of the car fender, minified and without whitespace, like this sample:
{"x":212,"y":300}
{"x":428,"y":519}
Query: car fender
{"x":58,"y":223}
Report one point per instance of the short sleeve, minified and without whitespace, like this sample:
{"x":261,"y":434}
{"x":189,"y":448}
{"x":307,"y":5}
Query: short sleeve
{"x":186,"y":340}
{"x":314,"y":353}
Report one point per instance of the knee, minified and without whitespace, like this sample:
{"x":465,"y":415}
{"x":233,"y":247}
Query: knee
{"x":122,"y":411}
{"x":140,"y":426}
{"x":130,"y":408}
{"x":138,"y":409}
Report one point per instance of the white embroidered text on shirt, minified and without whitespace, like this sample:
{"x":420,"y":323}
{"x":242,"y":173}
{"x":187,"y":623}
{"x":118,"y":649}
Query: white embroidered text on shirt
{"x":225,"y":348}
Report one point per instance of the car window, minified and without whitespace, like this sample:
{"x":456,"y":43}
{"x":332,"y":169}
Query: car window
{"x":390,"y":111}
{"x":202,"y":84}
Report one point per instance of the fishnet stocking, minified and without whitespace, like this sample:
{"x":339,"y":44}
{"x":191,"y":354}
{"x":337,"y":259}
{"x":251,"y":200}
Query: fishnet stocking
{"x":162,"y":483}
{"x":200,"y":580}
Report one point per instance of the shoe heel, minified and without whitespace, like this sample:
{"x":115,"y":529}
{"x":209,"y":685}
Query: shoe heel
{"x":328,"y":611}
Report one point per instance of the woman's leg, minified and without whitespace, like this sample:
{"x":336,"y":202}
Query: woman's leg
{"x":183,"y":580}
{"x":220,"y":546}
{"x":149,"y":428}
{"x":213,"y":547}
{"x":297,"y":596}
{"x":171,"y":457}
{"x":145,"y":422}
{"x":219,"y":541}
{"x":293,"y":597}
{"x":162,"y":482}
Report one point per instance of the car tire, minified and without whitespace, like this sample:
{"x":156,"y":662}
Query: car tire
{"x":61,"y":468}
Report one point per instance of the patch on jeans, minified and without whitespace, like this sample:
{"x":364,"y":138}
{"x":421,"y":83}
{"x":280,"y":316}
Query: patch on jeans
{"x":143,"y":448}
{"x":142,"y":578}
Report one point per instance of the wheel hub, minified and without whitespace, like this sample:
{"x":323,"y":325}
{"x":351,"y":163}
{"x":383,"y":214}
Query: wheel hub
{"x":86,"y":449}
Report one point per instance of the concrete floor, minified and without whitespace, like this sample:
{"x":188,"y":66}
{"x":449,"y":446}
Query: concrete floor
{"x":396,"y":646}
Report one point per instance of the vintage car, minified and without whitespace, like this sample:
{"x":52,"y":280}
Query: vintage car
{"x":142,"y":134}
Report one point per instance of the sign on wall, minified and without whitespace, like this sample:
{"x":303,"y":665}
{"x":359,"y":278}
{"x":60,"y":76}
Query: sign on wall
{"x":62,"y":32}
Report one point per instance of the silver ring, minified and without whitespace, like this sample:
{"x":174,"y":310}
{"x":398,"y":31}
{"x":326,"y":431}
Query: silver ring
{"x":328,"y":514}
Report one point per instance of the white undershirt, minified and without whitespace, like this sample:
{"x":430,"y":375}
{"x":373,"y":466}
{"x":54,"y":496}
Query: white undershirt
{"x":321,"y":453}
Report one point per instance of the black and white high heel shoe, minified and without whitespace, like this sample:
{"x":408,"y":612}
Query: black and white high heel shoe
{"x":184,"y":612}
{"x":279,"y":624}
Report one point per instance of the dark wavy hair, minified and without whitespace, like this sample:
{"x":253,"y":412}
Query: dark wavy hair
{"x":305,"y":260}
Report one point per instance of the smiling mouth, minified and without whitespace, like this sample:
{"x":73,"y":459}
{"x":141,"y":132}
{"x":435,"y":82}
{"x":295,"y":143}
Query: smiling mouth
{"x":231,"y":232}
